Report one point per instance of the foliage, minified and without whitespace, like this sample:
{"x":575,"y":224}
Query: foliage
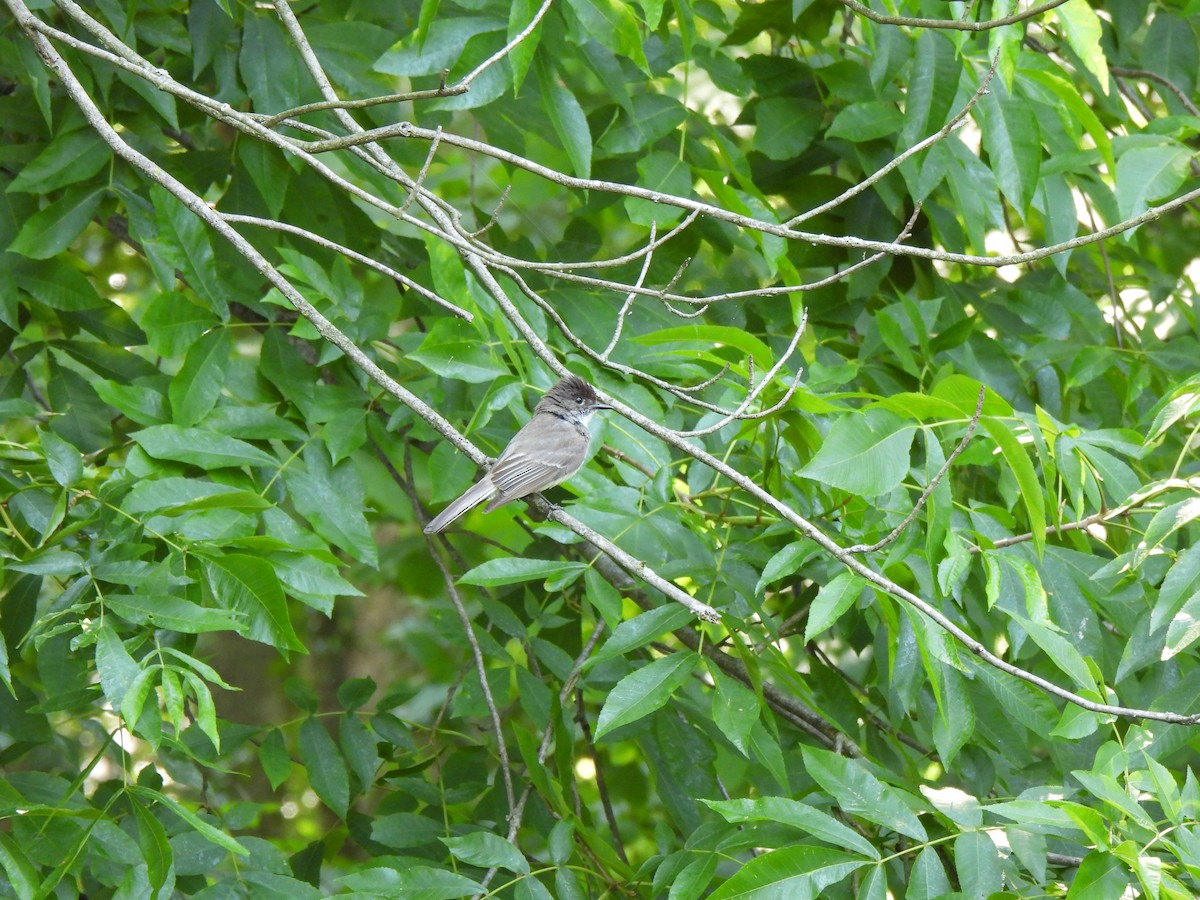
{"x":238,"y":351}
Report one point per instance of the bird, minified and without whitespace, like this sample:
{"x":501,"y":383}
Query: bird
{"x":547,"y":451}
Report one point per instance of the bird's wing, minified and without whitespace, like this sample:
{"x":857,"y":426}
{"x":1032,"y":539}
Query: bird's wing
{"x":531,"y":464}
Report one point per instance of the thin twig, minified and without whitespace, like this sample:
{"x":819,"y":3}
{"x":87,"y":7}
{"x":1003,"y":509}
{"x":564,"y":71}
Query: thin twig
{"x":365,"y":260}
{"x":468,"y":626}
{"x":931,"y":487}
{"x":465,"y":82}
{"x":494,"y":217}
{"x":420,"y":182}
{"x":625,"y":307}
{"x":1133,"y":504}
{"x":362,"y":103}
{"x":740,"y":413}
{"x":601,"y":786}
{"x":953,"y":125}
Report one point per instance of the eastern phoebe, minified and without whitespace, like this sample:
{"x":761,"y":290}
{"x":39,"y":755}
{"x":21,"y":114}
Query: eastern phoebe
{"x":547,"y":451}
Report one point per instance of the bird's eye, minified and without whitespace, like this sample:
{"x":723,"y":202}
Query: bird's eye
{"x":579,"y":400}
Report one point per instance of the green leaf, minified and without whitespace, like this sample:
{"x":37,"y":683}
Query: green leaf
{"x":1067,"y":94}
{"x":487,"y":850}
{"x":927,"y":879}
{"x":200,"y":447}
{"x":114,"y":665}
{"x":174,"y":496}
{"x":173,"y":322}
{"x":209,"y":832}
{"x":274,"y":758}
{"x":441,"y":48}
{"x":864,"y":453}
{"x":59,"y":563}
{"x":453,"y":350}
{"x":156,"y":849}
{"x":22,"y":875}
{"x":860,"y":793}
{"x":1101,"y":874}
{"x":794,"y":814}
{"x":326,"y":769}
{"x":358,"y":746}
{"x":785,"y":126}
{"x":614,"y":25}
{"x":711,"y":336}
{"x":955,"y":722}
{"x":520,"y":14}
{"x":567,"y":118}
{"x":50,"y":231}
{"x":977,"y":862}
{"x":184,"y":242}
{"x":866,"y":121}
{"x":515,"y":569}
{"x":667,"y":174}
{"x":423,"y":882}
{"x":790,"y":872}
{"x":269,"y":172}
{"x":784,"y":563}
{"x":269,"y":66}
{"x":933,"y":82}
{"x":654,"y":116}
{"x":198,"y":383}
{"x":1106,"y":788}
{"x":1184,"y":630}
{"x":1013,"y":144}
{"x":356,"y":692}
{"x":1167,"y":521}
{"x":735,"y":708}
{"x":404,"y":830}
{"x":426,"y":17}
{"x":645,"y":690}
{"x":248,"y":585}
{"x":832,"y":600}
{"x":1059,"y":650}
{"x":172,"y":613}
{"x":63,"y":459}
{"x":1146,"y":174}
{"x":1181,"y":585}
{"x":1083,"y":31}
{"x":68,"y":159}
{"x":1032,"y":496}
{"x":331,"y":498}
{"x":641,"y":630}
{"x":1175,"y":51}
{"x":5,"y":675}
{"x":57,"y":286}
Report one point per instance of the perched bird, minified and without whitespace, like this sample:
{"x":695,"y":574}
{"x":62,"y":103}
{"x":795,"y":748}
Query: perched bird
{"x":547,"y":451}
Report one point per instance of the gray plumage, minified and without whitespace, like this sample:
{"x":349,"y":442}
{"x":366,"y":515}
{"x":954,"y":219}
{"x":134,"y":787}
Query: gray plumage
{"x":547,"y":451}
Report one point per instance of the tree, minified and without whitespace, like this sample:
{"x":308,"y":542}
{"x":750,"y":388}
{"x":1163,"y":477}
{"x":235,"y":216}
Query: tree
{"x":882,"y":577}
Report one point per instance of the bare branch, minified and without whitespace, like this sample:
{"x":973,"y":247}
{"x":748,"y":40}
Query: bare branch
{"x":1179,"y":93}
{"x":949,"y":24}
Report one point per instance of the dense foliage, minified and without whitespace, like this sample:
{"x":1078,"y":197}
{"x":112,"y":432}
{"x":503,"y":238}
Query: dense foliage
{"x":250,"y":335}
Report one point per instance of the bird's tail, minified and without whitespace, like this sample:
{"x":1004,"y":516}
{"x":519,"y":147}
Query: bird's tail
{"x":474,"y":495}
